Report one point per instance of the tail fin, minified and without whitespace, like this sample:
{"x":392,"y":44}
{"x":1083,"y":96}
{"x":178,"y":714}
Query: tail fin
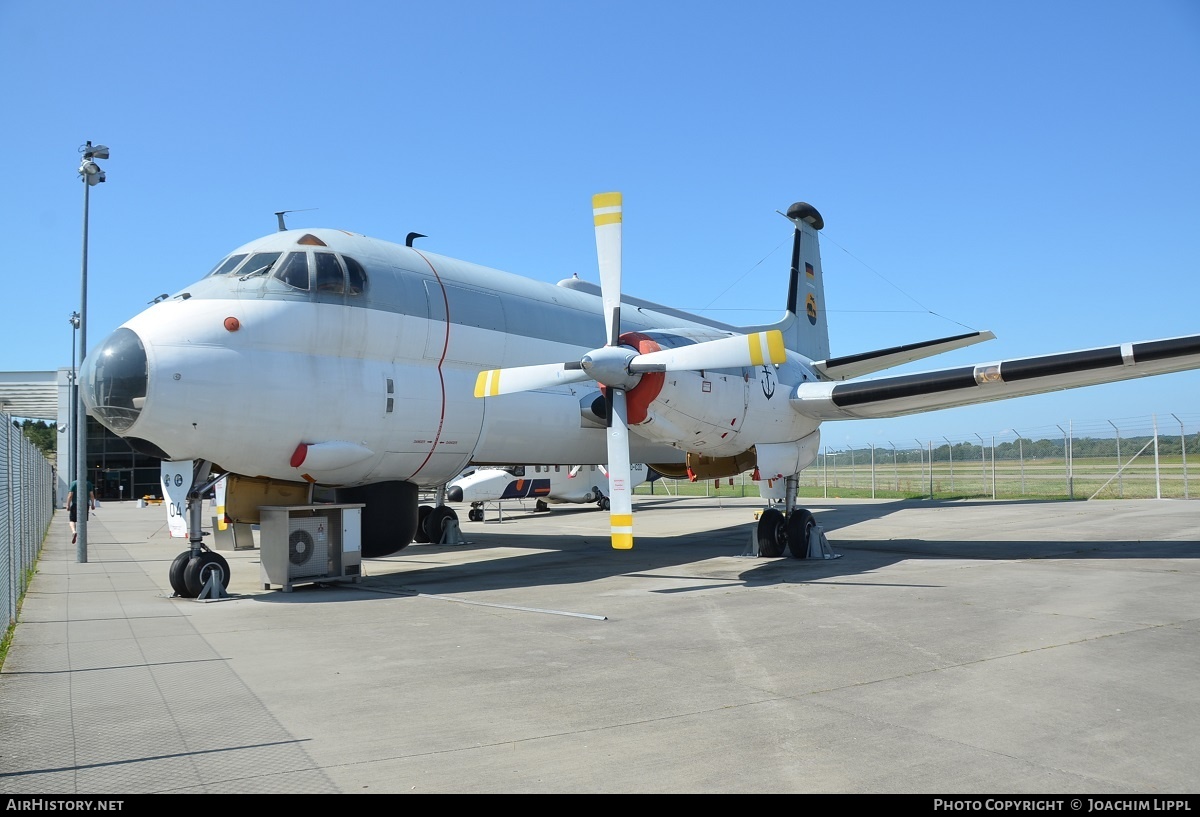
{"x":808,"y":332}
{"x":803,"y":324}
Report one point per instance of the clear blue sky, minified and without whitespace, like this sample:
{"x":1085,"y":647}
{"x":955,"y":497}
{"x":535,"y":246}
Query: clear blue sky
{"x":1031,"y":168}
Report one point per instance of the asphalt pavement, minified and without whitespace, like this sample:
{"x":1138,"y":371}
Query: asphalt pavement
{"x":953,"y":647}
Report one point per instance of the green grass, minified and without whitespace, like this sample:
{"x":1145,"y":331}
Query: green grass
{"x":6,"y":640}
{"x":1009,"y":479}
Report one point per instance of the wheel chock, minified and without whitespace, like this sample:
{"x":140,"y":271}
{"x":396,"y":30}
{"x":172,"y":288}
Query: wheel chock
{"x":213,"y":590}
{"x":818,"y":545}
{"x":752,"y":548}
{"x":451,"y":533}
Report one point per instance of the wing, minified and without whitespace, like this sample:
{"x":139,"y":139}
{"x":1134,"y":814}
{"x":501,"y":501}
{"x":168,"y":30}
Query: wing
{"x":850,"y":366}
{"x":998,"y":380}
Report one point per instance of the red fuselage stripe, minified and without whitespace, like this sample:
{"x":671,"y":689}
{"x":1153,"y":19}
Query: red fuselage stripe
{"x":441,"y":359}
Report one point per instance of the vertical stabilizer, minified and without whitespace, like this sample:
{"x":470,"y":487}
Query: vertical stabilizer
{"x":806,"y":330}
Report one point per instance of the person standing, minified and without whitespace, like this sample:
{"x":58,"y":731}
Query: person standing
{"x":71,"y":497}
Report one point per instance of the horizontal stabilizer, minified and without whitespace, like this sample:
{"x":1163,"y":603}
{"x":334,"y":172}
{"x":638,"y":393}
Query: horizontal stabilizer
{"x":967,"y":385}
{"x":851,"y":366}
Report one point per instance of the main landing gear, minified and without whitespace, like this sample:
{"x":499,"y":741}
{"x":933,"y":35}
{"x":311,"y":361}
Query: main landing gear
{"x":434,"y":520}
{"x":777,"y":532}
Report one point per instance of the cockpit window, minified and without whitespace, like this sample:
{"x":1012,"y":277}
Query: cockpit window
{"x":330,"y":277}
{"x":258,"y":264}
{"x":228,"y":264}
{"x":356,"y":276}
{"x":293,"y":270}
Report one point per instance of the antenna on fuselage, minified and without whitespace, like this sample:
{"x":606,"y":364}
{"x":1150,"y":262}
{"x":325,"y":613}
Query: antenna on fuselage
{"x":281,"y":213}
{"x":411,"y":237}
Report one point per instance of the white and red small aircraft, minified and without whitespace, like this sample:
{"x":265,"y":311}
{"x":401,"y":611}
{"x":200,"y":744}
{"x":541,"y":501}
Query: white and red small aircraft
{"x":545,"y":484}
{"x":323,"y":363}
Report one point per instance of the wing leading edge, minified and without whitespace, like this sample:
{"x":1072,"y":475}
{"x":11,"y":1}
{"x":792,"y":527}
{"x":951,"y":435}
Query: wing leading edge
{"x":998,"y":380}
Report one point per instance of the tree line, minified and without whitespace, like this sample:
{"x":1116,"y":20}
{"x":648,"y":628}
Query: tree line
{"x":42,"y":434}
{"x":1025,"y":448}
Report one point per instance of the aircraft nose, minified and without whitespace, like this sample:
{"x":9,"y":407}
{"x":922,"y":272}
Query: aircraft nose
{"x":113,"y":380}
{"x":454,"y":494}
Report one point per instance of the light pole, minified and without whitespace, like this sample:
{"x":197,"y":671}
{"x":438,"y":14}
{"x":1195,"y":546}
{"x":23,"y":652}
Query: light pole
{"x":91,"y":174}
{"x":74,"y":392}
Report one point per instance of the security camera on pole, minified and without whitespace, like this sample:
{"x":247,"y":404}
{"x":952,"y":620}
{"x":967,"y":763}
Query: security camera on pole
{"x":92,"y":175}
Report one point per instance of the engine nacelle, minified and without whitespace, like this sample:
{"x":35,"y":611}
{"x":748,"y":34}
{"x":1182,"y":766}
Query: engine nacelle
{"x":714,"y":413}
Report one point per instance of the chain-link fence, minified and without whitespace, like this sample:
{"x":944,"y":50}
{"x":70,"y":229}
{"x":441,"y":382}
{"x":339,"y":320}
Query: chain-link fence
{"x":1138,"y":458}
{"x":26,"y":507}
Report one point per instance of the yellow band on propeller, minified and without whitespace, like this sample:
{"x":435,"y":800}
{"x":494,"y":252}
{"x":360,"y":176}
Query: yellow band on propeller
{"x":774,"y":351}
{"x":621,"y":526}
{"x":606,"y":208}
{"x":487,"y":384}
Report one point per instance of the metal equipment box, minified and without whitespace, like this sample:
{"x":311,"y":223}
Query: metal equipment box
{"x":307,"y":544}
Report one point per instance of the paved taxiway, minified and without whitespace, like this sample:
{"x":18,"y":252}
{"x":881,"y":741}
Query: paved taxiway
{"x":954,"y":647}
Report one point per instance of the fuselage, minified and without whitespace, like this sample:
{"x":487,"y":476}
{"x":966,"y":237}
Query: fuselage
{"x":344,"y":360}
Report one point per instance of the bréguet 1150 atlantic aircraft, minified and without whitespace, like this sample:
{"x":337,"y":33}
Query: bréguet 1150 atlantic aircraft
{"x":545,"y":484}
{"x":323,"y":363}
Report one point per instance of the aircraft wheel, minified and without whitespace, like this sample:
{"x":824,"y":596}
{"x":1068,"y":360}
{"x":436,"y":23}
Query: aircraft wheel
{"x":799,"y":526}
{"x":435,"y":521}
{"x":389,"y":518}
{"x":772,"y":532}
{"x":175,"y":574}
{"x":475,"y":515}
{"x":200,"y":568}
{"x":540,"y":505}
{"x":605,"y":504}
{"x":422,"y":515}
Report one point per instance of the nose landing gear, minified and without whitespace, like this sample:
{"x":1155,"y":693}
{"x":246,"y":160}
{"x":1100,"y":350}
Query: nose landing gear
{"x":198,"y":572}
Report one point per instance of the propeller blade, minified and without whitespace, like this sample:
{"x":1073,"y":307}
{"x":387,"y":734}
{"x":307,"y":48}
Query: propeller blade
{"x":727,"y":353}
{"x":606,"y":210}
{"x":620,"y":499}
{"x":524,"y":378}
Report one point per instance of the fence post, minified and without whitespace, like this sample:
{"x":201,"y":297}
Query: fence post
{"x":1157,"y":475}
{"x":993,"y":466}
{"x":872,"y":470}
{"x":931,"y":469}
{"x":895,"y":468}
{"x":1021,"y":457}
{"x":983,"y":466}
{"x":1120,"y":479}
{"x":1067,"y":463}
{"x":1183,"y":448}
